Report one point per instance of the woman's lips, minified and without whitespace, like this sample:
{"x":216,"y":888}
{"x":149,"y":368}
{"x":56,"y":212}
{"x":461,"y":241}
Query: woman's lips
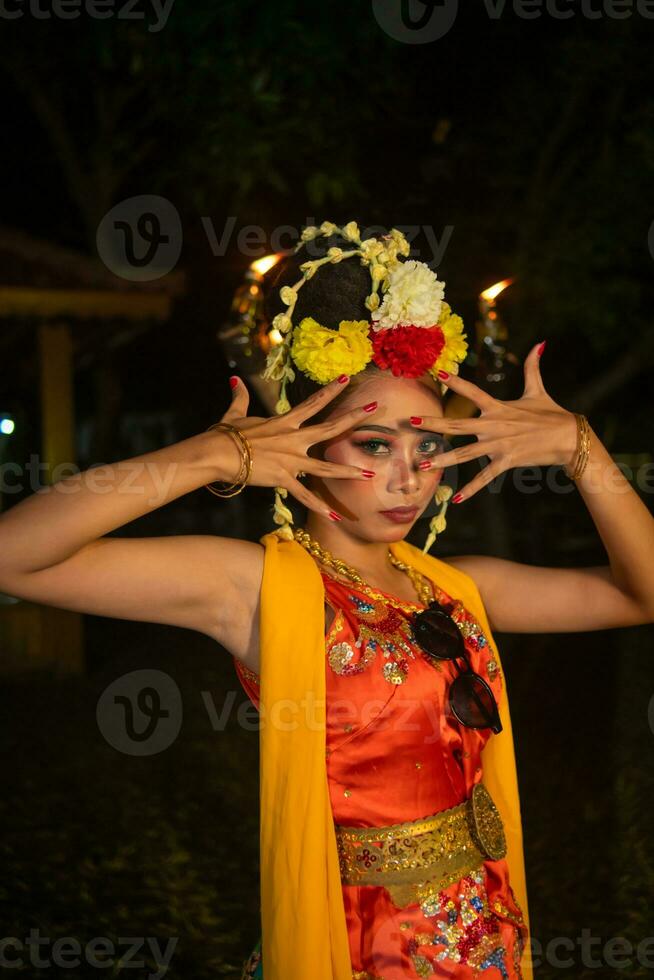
{"x":400,"y":515}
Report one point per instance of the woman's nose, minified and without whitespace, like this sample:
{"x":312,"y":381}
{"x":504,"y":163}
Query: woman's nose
{"x":403,"y":477}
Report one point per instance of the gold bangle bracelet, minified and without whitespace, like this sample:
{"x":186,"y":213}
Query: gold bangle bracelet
{"x":245,"y":468}
{"x":583,"y":448}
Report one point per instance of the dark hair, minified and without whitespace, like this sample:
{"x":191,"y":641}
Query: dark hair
{"x":337,"y":291}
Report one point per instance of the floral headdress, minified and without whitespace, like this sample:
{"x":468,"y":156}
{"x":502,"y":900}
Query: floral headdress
{"x":412,"y":330}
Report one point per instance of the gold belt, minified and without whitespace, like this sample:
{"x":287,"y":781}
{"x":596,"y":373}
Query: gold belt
{"x":415,"y":860}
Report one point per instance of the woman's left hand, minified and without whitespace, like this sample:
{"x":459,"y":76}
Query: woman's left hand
{"x":530,"y":431}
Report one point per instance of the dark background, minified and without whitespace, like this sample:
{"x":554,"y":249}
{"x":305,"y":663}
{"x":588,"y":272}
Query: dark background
{"x":533,"y":139}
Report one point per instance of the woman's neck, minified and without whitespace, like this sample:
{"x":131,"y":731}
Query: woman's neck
{"x":363,"y":556}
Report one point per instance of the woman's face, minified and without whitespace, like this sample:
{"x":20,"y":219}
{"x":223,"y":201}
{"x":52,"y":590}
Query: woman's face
{"x":385,"y":507}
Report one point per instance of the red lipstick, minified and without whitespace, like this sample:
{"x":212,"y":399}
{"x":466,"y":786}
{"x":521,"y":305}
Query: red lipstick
{"x":400,"y":515}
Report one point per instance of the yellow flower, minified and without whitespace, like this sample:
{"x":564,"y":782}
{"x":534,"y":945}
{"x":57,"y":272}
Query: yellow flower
{"x":456,"y":347}
{"x":323,"y":354}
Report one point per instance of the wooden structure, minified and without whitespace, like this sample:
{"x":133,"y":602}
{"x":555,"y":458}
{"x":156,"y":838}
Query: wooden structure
{"x":61,"y":309}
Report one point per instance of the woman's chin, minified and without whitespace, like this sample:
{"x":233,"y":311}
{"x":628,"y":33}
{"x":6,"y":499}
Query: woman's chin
{"x":384,"y":528}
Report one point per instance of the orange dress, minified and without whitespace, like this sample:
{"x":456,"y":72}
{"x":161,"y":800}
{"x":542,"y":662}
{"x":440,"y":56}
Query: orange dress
{"x":396,"y":753}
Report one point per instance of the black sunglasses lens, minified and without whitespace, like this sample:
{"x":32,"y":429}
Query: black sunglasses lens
{"x":473,"y":703}
{"x":438,"y":634}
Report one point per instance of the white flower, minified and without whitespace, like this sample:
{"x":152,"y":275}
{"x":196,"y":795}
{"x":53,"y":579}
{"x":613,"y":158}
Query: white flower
{"x":443,"y":493}
{"x":328,"y":228}
{"x":288,"y":295}
{"x":275,"y":363}
{"x":309,"y":268}
{"x":414,"y":296}
{"x":370,"y":248}
{"x":309,"y":233}
{"x":402,"y":244}
{"x":351,"y":231}
{"x":282,"y":322}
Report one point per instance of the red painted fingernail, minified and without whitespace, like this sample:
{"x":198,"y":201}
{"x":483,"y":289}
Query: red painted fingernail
{"x":415,"y":420}
{"x":342,"y":378}
{"x":541,"y":348}
{"x":457,"y":498}
{"x":334,"y":516}
{"x":233,"y":381}
{"x":370,"y":407}
{"x":368,"y":473}
{"x":425,"y":465}
{"x":443,"y":374}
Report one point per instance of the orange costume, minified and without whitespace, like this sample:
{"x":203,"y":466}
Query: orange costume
{"x":393,"y":754}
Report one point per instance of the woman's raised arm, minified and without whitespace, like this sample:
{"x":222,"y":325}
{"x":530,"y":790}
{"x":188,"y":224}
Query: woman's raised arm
{"x":54,"y":549}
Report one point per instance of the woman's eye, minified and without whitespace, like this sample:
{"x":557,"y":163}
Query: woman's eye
{"x":430,"y":446}
{"x":373,"y":446}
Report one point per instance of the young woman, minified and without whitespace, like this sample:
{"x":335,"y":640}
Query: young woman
{"x":390,"y":825}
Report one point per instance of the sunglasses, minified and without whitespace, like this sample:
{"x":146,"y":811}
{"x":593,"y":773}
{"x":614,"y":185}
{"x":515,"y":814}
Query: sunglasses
{"x":471,"y":699}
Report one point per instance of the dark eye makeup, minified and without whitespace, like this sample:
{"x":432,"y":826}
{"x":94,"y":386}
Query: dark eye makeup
{"x":377,"y":447}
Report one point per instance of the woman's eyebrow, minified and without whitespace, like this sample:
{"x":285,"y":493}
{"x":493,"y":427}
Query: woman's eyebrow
{"x":392,"y":432}
{"x":376,"y":428}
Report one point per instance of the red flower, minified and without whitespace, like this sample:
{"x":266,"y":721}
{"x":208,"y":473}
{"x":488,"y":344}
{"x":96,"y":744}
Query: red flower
{"x":408,"y":351}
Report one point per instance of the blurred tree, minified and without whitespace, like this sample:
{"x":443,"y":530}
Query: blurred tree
{"x":222,"y":100}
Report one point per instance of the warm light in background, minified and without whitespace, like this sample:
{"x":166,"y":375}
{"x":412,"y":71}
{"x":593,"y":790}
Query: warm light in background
{"x":261,"y":266}
{"x":494,"y":291}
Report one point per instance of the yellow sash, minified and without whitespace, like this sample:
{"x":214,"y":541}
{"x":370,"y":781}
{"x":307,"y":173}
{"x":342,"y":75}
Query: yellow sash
{"x":303,"y":927}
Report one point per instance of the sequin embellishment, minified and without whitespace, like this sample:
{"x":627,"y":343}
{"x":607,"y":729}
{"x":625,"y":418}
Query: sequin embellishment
{"x":469,"y":934}
{"x":381,"y":627}
{"x":386,"y":626}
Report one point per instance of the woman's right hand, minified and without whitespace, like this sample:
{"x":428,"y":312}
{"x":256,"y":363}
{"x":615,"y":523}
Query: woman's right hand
{"x":280,"y":444}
